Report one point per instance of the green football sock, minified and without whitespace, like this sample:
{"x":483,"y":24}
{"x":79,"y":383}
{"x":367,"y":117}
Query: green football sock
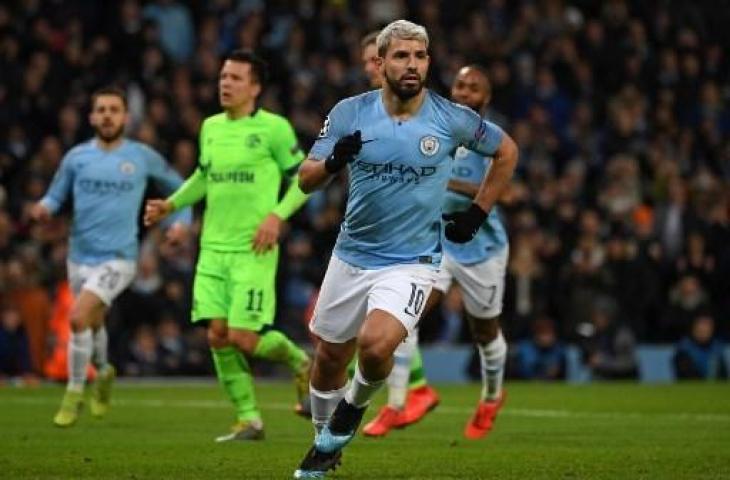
{"x":417,"y":378}
{"x":276,"y":347}
{"x":236,"y":378}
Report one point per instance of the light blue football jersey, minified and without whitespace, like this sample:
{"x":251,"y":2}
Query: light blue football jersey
{"x":108,"y":188}
{"x":491,"y":237}
{"x":398,"y":180}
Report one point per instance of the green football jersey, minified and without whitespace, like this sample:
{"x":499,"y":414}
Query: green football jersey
{"x":240,"y":170}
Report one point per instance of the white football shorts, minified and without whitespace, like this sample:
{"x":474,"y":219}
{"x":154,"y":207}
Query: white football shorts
{"x":105,"y":280}
{"x":482,"y":283}
{"x":349,"y":294}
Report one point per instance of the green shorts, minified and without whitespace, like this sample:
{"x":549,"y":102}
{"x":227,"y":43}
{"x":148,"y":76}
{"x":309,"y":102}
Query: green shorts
{"x":239,"y":287}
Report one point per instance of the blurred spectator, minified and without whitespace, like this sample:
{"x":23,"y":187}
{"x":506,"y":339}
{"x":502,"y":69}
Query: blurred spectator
{"x":140,"y":304}
{"x":176,"y":27}
{"x":31,"y":300}
{"x":608,"y":347}
{"x":540,"y":357}
{"x":198,"y":359}
{"x":696,"y":260}
{"x":526,"y":287}
{"x":625,"y":278}
{"x":452,"y":317}
{"x":584,"y":276}
{"x":300,"y":284}
{"x":673,"y":219}
{"x":701,"y":354}
{"x":14,"y":348}
{"x":172,"y":347}
{"x":143,"y":358}
{"x":622,"y":190}
{"x":686,"y":299}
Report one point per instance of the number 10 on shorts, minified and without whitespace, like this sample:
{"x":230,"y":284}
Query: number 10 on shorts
{"x":415,"y":303}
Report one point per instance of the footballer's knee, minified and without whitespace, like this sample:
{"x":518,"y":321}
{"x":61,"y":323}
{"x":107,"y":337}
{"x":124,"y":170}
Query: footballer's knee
{"x":334,"y":356}
{"x":379,"y":336}
{"x":330,"y":364}
{"x":79,"y":320}
{"x":484,"y":330}
{"x":87,"y":312}
{"x":376,"y":354}
{"x":218,"y":335}
{"x":244,"y":340}
{"x":373,"y":350}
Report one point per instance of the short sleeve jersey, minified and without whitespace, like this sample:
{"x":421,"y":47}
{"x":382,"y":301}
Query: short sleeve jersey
{"x":398,"y":180}
{"x":243,"y":162}
{"x":107,"y":187}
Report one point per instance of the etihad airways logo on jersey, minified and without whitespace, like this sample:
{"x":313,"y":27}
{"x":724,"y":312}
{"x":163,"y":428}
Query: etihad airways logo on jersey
{"x":105,"y":187}
{"x":231,"y":177}
{"x":394,"y":172}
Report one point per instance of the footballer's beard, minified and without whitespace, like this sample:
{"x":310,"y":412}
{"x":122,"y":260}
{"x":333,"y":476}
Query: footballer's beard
{"x":107,"y":135}
{"x":404,"y":93}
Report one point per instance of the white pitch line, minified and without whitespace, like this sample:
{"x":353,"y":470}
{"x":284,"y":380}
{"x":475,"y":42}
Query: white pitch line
{"x":507,"y":411}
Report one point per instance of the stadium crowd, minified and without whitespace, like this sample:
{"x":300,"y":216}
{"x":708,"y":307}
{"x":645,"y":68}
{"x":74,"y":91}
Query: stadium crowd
{"x":619,"y":215}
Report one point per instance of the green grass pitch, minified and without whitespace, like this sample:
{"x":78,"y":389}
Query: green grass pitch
{"x":166,"y":431}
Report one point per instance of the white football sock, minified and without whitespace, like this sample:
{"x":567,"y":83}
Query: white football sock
{"x":362,"y":390}
{"x":101,"y":348}
{"x":323,"y":404}
{"x":79,"y":354}
{"x":398,"y":378}
{"x":493,"y":356}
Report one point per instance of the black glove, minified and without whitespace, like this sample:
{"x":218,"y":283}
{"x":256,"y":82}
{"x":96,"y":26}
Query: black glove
{"x":345,"y":150}
{"x":462,"y":226}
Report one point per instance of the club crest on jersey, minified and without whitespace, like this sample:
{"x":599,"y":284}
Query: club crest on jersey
{"x":429,"y":145}
{"x":127,"y":168}
{"x":253,"y":141}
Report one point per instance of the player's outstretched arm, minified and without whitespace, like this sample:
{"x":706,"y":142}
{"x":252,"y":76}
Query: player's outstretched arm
{"x":462,"y":226}
{"x":268,"y":233}
{"x":314,"y":174}
{"x":189,"y":193}
{"x":38,"y":212}
{"x":58,"y":191}
{"x":500,"y":174}
{"x":170,"y":182}
{"x":156,"y":210}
